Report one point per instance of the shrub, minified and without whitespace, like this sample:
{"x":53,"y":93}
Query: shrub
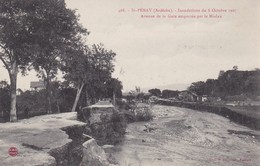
{"x":143,"y":113}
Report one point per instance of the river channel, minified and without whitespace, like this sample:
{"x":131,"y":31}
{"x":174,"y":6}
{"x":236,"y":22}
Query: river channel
{"x":184,"y":137}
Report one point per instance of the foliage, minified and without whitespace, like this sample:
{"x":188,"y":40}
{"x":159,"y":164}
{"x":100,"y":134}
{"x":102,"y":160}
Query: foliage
{"x":230,"y":83}
{"x":113,"y":86}
{"x":35,"y":32}
{"x":169,"y":93}
{"x":59,"y":31}
{"x":129,"y":97}
{"x":91,"y":69}
{"x":155,"y":92}
{"x":66,"y":98}
{"x":140,"y":96}
{"x":101,"y":68}
{"x":46,"y":36}
{"x":5,"y":100}
{"x":197,"y":87}
{"x":143,"y":113}
{"x":239,"y":82}
{"x":32,"y":103}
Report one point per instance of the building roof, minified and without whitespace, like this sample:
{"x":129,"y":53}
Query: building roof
{"x":190,"y":92}
{"x":102,"y":104}
{"x":37,"y":84}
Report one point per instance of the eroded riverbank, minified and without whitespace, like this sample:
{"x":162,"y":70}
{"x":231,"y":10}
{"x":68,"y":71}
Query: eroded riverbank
{"x":180,"y":136}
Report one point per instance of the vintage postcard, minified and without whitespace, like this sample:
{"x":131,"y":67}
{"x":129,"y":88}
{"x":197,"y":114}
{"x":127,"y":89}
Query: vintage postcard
{"x":129,"y":82}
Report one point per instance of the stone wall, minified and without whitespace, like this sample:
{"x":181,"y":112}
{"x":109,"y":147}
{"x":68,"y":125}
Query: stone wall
{"x":251,"y":122}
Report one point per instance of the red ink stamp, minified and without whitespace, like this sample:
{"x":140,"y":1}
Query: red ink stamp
{"x":13,"y":151}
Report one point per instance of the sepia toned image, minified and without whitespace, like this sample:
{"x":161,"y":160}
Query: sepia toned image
{"x":129,"y":83}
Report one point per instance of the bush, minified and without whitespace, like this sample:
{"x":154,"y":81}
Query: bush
{"x":5,"y":102}
{"x":125,"y":105}
{"x":134,"y":111}
{"x":143,"y":113}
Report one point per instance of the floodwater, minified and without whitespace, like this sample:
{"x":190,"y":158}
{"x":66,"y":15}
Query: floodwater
{"x":183,"y":137}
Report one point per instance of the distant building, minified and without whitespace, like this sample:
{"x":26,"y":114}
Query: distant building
{"x":188,"y":96}
{"x":204,"y":98}
{"x":37,"y":85}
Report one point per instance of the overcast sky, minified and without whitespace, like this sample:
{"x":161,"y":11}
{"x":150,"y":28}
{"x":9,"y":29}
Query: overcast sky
{"x":152,"y":52}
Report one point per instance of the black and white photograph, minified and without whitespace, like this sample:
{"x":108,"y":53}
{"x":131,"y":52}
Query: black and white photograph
{"x":129,"y":83}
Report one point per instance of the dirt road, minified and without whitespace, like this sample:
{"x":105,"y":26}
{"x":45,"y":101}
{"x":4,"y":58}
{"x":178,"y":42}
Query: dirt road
{"x":181,"y":137}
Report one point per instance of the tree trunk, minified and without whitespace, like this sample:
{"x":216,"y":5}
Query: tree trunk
{"x":13,"y":81}
{"x":77,"y":97}
{"x":87,"y":98}
{"x":114,"y":98}
{"x":47,"y":80}
{"x":58,"y":106}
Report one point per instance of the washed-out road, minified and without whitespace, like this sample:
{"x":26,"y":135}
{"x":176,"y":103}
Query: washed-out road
{"x":185,"y":137}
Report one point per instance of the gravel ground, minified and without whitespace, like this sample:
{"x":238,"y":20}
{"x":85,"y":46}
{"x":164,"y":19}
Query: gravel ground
{"x":180,"y":136}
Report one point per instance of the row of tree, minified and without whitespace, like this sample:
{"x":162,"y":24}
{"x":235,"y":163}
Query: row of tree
{"x":164,"y":93}
{"x":31,"y":102}
{"x":230,"y":83}
{"x":47,"y":37}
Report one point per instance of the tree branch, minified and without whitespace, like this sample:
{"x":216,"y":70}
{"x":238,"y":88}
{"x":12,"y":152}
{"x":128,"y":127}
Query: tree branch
{"x":7,"y":52}
{"x":4,"y":62}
